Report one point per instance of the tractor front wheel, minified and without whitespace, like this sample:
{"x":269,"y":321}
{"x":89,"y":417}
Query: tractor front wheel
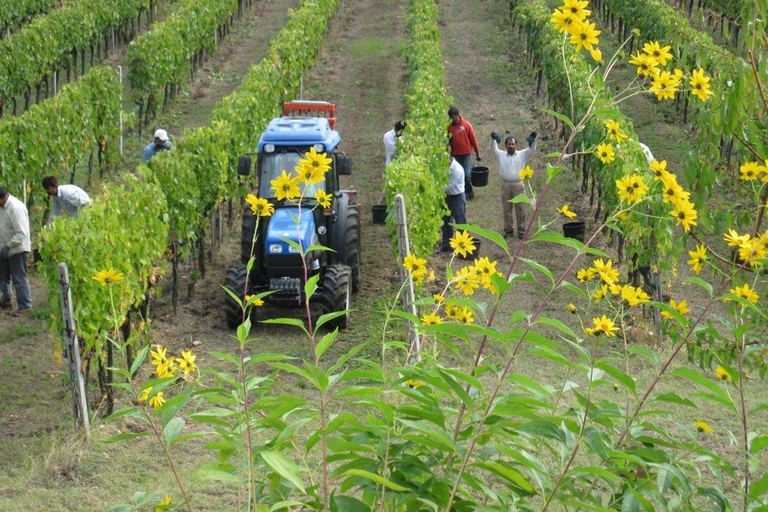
{"x":236,"y":283}
{"x":336,"y":294}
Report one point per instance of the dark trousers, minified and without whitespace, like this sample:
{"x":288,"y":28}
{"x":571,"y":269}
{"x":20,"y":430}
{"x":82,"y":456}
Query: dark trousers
{"x":466,"y":162}
{"x":13,"y":269}
{"x":458,"y":207}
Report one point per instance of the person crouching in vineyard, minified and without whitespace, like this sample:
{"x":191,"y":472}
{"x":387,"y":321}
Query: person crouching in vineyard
{"x":511,"y":162}
{"x":160,"y":143}
{"x":66,"y":199}
{"x":15,"y":243}
{"x":456,"y":203}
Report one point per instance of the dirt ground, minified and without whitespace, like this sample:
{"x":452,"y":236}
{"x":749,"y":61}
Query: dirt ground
{"x":359,"y":68}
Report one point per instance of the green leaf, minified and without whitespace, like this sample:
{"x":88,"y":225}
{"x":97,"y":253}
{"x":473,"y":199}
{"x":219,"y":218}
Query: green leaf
{"x":172,"y":430}
{"x":759,"y":487}
{"x":325,"y":343}
{"x":123,"y":437}
{"x":285,"y":467}
{"x":295,"y":322}
{"x":561,"y":117}
{"x":541,"y":268}
{"x":140,"y":357}
{"x":703,"y":284}
{"x":488,"y":234}
{"x":376,"y":478}
{"x":553,"y":171}
{"x":521,"y":198}
{"x":617,"y":374}
{"x":311,"y":286}
{"x":349,"y":504}
{"x":718,"y":394}
{"x":509,"y":474}
{"x":673,"y":398}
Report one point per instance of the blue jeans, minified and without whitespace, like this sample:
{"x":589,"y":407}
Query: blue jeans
{"x":13,"y":269}
{"x":466,"y":162}
{"x":458,"y":207}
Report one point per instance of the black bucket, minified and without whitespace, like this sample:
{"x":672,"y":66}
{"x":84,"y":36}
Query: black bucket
{"x":470,"y":257}
{"x":379,"y":213}
{"x":479,"y":176}
{"x":575,"y":229}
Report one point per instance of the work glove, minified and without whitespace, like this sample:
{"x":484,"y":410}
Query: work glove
{"x":531,"y":138}
{"x":495,"y":136}
{"x":478,"y":158}
{"x":4,"y":251}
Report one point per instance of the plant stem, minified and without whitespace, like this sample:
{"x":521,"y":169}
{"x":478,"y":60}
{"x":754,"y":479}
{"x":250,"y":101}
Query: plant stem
{"x":248,"y":431}
{"x":324,"y":448}
{"x":745,"y":431}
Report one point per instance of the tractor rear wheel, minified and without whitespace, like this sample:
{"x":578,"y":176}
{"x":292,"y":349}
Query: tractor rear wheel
{"x":236,"y":279}
{"x":336,"y":294}
{"x":352,"y":244}
{"x":246,"y":238}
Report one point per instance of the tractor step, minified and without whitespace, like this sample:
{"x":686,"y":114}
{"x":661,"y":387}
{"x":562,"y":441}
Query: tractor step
{"x":287,"y":289}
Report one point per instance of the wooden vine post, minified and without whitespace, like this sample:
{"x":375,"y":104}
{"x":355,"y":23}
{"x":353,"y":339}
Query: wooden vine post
{"x":72,"y":354}
{"x":409,"y":296}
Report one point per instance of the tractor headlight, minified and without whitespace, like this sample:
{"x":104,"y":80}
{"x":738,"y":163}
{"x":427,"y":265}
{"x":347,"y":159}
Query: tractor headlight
{"x":269,"y":148}
{"x":320,"y":148}
{"x":293,"y":250}
{"x":275,"y":248}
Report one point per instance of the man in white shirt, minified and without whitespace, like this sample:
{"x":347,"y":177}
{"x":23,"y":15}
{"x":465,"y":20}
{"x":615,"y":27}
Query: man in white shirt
{"x":457,"y":204}
{"x":15,"y":243}
{"x":390,"y":140}
{"x":65,"y":198}
{"x":511,"y":162}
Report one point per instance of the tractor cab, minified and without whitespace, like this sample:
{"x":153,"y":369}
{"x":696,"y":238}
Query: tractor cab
{"x":277,"y":262}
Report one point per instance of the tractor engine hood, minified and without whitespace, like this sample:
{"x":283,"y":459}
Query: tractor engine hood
{"x":282,"y":226}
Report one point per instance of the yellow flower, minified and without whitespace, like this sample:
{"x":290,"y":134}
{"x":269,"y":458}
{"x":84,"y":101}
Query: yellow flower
{"x":465,"y":281}
{"x":746,"y":292}
{"x":664,"y":86}
{"x":413,"y":383}
{"x":566,"y":212}
{"x":583,"y":34}
{"x":734,"y":239}
{"x":576,"y":8}
{"x":187,"y":362}
{"x":462,"y":243}
{"x":144,"y":395}
{"x":600,"y":325}
{"x":754,"y":249}
{"x":659,"y":53}
{"x":562,"y":20}
{"x":251,"y":300}
{"x":323,"y":198}
{"x":416,"y":266}
{"x":605,"y":270}
{"x":681,"y":307}
{"x":702,"y":427}
{"x":466,"y":316}
{"x":526,"y":173}
{"x":632,"y":188}
{"x":159,"y":356}
{"x":107,"y":277}
{"x":431,"y":278}
{"x":597,"y":55}
{"x":310,"y":174}
{"x":615,"y":288}
{"x":722,"y":374}
{"x":163,"y":505}
{"x":318,"y":161}
{"x":431,"y":319}
{"x":585,"y":274}
{"x":614,"y":131}
{"x":157,"y":400}
{"x":659,"y":170}
{"x":605,"y":153}
{"x":438,"y":298}
{"x":485,"y":268}
{"x":700,"y":85}
{"x":646,"y":65}
{"x":750,"y":171}
{"x":286,"y":186}
{"x":600,"y":293}
{"x":685,"y":214}
{"x":634,"y":296}
{"x":259,"y":206}
{"x":166,"y":369}
{"x":697,"y":258}
{"x":572,"y":308}
{"x":674,"y":193}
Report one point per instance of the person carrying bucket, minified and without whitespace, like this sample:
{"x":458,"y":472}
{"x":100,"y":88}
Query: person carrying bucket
{"x":462,"y":140}
{"x":511,"y":162}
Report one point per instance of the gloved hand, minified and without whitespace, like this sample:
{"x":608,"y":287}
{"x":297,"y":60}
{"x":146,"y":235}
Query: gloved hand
{"x":478,"y":158}
{"x":495,"y":136}
{"x":531,"y":138}
{"x":4,"y":251}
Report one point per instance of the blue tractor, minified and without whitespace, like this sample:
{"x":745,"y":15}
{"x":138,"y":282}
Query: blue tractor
{"x":278,"y":267}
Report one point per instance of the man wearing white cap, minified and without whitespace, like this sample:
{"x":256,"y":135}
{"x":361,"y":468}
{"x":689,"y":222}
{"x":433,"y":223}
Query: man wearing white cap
{"x":161,"y":143}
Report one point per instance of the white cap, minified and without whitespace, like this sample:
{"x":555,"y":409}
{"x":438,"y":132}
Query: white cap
{"x":161,"y":134}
